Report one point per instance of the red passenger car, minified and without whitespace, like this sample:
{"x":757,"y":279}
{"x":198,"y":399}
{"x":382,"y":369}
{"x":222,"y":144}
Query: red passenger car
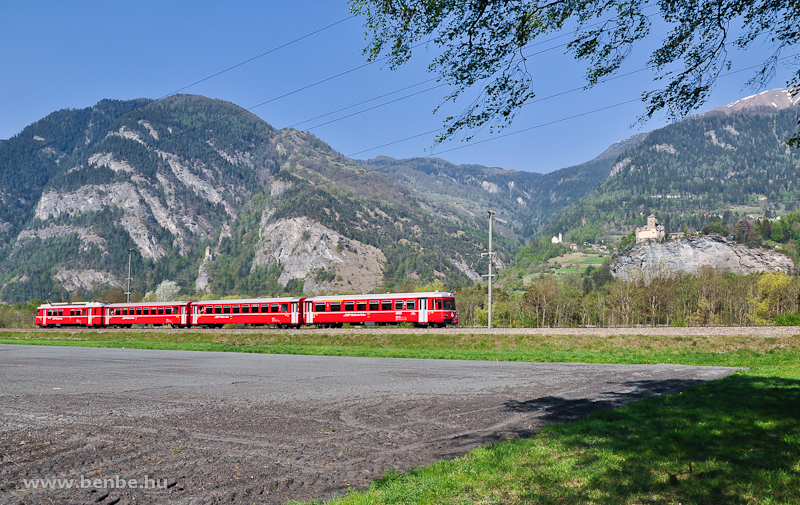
{"x":421,"y":309}
{"x":160,"y":313}
{"x":70,"y":314}
{"x":284,"y":312}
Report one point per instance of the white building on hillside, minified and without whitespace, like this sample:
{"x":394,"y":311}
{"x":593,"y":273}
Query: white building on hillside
{"x":556,"y":240}
{"x":651,"y":231}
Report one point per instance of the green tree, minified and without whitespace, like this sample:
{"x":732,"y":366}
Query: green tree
{"x":485,"y":43}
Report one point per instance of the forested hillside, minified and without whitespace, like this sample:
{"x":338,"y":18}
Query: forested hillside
{"x":733,"y":166}
{"x":522,"y":201}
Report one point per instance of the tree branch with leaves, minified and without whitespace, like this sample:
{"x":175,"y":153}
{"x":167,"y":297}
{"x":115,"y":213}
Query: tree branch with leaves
{"x":483,"y":47}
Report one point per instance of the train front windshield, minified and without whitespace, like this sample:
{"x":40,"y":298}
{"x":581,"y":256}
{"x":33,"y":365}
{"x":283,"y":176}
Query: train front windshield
{"x":449,"y":304}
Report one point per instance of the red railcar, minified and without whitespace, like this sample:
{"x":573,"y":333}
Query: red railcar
{"x":284,"y":312}
{"x":421,"y":309}
{"x":70,"y":314}
{"x":159,"y":313}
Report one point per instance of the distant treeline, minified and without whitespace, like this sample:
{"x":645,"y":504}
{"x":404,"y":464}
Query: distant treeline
{"x":709,"y":298}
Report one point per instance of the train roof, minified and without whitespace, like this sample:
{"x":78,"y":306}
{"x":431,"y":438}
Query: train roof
{"x":286,"y":299}
{"x":146,"y":304}
{"x":380,"y":296}
{"x":67,"y":305}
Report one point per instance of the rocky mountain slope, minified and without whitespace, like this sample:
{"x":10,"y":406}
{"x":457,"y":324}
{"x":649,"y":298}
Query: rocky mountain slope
{"x":279,"y":210}
{"x":691,"y":254}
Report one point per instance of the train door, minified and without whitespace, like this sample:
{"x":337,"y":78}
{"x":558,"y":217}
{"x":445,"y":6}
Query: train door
{"x":295,"y":314}
{"x":91,"y":313}
{"x":184,"y":315}
{"x":423,"y":310}
{"x":309,"y":312}
{"x":195,"y":310}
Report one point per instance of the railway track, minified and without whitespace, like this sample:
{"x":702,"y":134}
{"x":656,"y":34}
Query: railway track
{"x":754,"y":331}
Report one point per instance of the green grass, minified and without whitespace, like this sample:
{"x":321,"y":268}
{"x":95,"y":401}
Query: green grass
{"x":737,"y":351}
{"x":735,"y":440}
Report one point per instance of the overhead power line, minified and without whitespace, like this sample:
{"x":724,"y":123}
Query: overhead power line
{"x":112,"y":52}
{"x":114,"y":118}
{"x":72,"y":134}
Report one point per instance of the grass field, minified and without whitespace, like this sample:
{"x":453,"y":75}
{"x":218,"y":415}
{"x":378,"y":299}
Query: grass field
{"x":574,"y":262}
{"x":736,"y":440}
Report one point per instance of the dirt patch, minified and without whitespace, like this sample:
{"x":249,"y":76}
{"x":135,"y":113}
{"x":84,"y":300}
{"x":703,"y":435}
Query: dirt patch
{"x":243,"y":428}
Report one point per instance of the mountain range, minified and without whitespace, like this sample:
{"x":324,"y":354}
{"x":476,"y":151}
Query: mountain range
{"x":204,"y":193}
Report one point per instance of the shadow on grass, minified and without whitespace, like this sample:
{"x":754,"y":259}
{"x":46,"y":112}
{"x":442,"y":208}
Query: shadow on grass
{"x":552,"y":409}
{"x":559,"y":410}
{"x":736,"y":440}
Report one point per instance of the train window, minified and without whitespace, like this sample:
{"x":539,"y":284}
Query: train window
{"x":285,"y":307}
{"x":411,"y":304}
{"x":374,"y":304}
{"x":226,"y":309}
{"x":319,"y":307}
{"x":245,"y":309}
{"x":386,"y":305}
{"x":398,"y":305}
{"x":161,"y":311}
{"x":71,"y":312}
{"x":449,"y":304}
{"x":138,"y":311}
{"x":60,"y":312}
{"x":265,"y":308}
{"x":235,"y":309}
{"x":275,"y":307}
{"x":438,"y":303}
{"x":169,"y":311}
{"x":336,"y":306}
{"x":125,"y":311}
{"x":217,"y":309}
{"x":349,"y":305}
{"x":361,"y":305}
{"x":117,"y":312}
{"x":146,"y":311}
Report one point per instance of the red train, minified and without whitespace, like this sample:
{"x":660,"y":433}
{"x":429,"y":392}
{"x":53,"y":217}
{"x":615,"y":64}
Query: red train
{"x":436,"y":309}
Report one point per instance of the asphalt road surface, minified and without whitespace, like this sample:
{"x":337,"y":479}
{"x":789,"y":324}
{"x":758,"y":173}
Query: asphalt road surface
{"x":240,"y":428}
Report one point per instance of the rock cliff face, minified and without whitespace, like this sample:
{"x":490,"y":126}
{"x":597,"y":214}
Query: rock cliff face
{"x":302,"y":246}
{"x":690,"y":254}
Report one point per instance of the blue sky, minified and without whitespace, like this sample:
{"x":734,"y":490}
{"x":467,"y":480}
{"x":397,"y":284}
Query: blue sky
{"x":60,"y":55}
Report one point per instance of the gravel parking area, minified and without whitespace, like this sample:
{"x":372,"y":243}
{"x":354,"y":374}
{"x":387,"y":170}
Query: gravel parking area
{"x":243,"y":428}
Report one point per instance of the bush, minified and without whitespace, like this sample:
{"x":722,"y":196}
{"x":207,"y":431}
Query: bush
{"x":788,"y":319}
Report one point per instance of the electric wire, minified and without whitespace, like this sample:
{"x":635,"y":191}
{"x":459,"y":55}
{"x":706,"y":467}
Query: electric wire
{"x":43,"y":146}
{"x":113,"y":52}
{"x":149,"y":103}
